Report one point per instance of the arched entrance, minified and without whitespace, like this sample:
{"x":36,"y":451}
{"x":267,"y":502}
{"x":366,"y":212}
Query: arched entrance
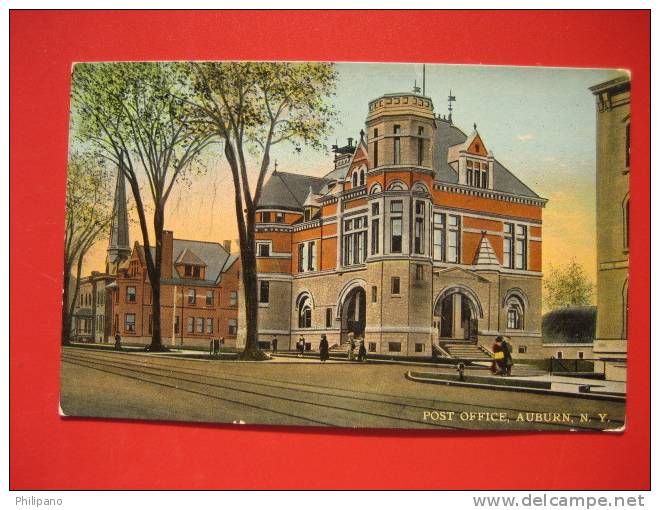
{"x":458,"y":310}
{"x":353,"y":313}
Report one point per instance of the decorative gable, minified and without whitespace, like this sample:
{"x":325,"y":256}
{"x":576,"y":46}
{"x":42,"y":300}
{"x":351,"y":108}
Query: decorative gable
{"x":476,"y":146}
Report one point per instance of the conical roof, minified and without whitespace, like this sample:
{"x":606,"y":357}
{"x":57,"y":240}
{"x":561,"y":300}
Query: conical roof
{"x":485,"y":254}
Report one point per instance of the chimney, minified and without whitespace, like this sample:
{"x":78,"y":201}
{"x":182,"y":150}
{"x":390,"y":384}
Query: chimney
{"x":166,"y":254}
{"x":226,"y":244}
{"x":350,"y":141}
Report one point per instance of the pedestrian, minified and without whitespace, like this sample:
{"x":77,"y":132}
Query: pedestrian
{"x":117,"y":342}
{"x":362,"y":352}
{"x":274,"y":343}
{"x":324,"y":349}
{"x":497,"y":367}
{"x":301,"y":346}
{"x":507,"y":362}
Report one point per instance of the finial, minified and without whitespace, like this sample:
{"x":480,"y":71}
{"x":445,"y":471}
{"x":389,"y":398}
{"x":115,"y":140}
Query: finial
{"x":475,"y":126}
{"x":416,"y":89}
{"x":450,"y":100}
{"x":361,"y":135}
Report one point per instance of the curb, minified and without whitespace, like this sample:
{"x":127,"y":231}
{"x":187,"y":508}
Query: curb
{"x":524,"y":389}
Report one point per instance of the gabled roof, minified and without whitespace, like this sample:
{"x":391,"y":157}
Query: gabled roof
{"x":485,"y":255}
{"x":448,"y":135}
{"x":187,"y":256}
{"x":288,"y":191}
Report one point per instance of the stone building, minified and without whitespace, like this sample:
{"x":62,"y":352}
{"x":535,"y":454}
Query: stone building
{"x":612,"y":222}
{"x":92,"y":307}
{"x":418,"y":239}
{"x":198,"y":293}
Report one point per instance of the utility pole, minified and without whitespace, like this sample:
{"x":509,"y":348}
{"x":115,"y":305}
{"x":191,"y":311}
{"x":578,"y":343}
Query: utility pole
{"x":173,"y":316}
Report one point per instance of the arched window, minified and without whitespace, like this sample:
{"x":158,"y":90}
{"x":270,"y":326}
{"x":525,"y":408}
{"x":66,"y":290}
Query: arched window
{"x":397,"y":186}
{"x":420,"y":186}
{"x":515,"y":313}
{"x":305,"y":312}
{"x":361,"y":177}
{"x":355,"y":179}
{"x":376,"y":188}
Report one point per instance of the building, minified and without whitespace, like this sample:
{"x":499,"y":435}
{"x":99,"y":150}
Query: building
{"x":199,"y":294}
{"x":417,"y":237}
{"x":92,"y":307}
{"x":612,"y":221}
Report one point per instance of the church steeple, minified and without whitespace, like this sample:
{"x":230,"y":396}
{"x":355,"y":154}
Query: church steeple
{"x":119,"y":248}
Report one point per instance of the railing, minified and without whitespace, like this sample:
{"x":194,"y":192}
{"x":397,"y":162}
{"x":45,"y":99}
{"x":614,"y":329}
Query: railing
{"x":577,"y":365}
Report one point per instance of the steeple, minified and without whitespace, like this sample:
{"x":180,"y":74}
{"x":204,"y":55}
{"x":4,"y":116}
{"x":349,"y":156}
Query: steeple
{"x":119,"y":248}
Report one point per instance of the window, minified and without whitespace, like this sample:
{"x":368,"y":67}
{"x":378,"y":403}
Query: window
{"x":279,"y":217}
{"x":355,"y":179}
{"x":199,"y":325}
{"x":209,"y":298}
{"x":420,"y":146}
{"x":374,"y":294}
{"x":514,"y":313}
{"x":522,"y":349}
{"x":397,"y":145}
{"x":264,"y":291}
{"x":196,"y":271}
{"x":130,"y":294}
{"x":190,"y":324}
{"x":361,"y":177}
{"x":265,"y":217}
{"x":209,"y":325}
{"x":438,"y":236}
{"x":396,"y":285}
{"x":580,"y":355}
{"x":396,"y":239}
{"x":559,"y":355}
{"x":508,"y":245}
{"x":420,"y":219}
{"x":311,"y":253}
{"x":394,"y":346}
{"x":129,"y":325}
{"x":375,"y":209}
{"x":232,"y":327}
{"x":419,"y":347}
{"x":305,"y":313}
{"x":301,"y":257}
{"x":626,"y":224}
{"x":521,"y":247}
{"x":328,"y":317}
{"x":263,"y":249}
{"x":477,"y":174}
{"x":628,"y":145}
{"x":187,"y":270}
{"x":176,"y":324}
{"x":372,"y":346}
{"x":354,"y":241}
{"x":453,"y":239}
{"x":396,"y":206}
{"x":375,"y":235}
{"x":375,"y":158}
{"x":192,"y":296}
{"x":308,"y":213}
{"x":233,"y":298}
{"x":419,"y":272}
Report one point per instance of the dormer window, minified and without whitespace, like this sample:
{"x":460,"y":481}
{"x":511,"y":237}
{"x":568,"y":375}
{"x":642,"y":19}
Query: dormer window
{"x":308,"y":213}
{"x":477,"y":174}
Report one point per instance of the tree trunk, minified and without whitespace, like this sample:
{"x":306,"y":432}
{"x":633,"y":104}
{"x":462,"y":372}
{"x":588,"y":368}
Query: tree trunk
{"x":154,"y":277}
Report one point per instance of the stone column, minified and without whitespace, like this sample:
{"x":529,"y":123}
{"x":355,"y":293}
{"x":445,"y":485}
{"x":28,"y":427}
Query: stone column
{"x":456,"y":316}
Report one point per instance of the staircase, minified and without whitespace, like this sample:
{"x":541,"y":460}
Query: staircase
{"x":465,"y":351}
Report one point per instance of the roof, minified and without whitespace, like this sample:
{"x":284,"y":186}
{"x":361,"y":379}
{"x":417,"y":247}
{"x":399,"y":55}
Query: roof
{"x":448,"y":135}
{"x":212,"y":255}
{"x":485,"y":255}
{"x":288,"y":191}
{"x":187,"y":256}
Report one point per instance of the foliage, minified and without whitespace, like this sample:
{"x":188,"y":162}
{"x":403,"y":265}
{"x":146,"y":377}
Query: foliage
{"x":568,"y":286}
{"x":251,"y":107}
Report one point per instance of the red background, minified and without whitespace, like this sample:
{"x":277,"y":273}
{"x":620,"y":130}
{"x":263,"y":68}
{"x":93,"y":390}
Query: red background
{"x":49,"y":453}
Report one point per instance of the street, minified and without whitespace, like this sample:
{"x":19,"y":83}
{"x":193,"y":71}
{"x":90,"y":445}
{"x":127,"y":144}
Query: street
{"x":144,"y":386}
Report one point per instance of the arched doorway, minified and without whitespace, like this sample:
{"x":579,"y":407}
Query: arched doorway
{"x":353,"y":313}
{"x":458,"y":310}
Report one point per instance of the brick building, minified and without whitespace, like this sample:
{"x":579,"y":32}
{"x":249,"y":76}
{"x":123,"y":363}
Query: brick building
{"x":199,"y":294}
{"x":418,"y":237}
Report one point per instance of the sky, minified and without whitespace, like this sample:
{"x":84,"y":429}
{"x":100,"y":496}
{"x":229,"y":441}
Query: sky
{"x":539,"y":122}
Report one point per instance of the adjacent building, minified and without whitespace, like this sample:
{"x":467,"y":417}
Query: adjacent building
{"x":198,"y":294}
{"x":92,"y":307}
{"x":612,"y":223}
{"x":417,"y":239}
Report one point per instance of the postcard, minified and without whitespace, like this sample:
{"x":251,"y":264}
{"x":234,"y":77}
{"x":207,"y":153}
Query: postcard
{"x":365,"y":245}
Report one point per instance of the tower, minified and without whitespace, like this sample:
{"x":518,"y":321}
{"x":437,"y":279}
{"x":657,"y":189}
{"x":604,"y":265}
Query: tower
{"x":119,"y":249}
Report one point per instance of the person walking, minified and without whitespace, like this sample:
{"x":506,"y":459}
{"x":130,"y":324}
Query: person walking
{"x":507,"y":361}
{"x":274,"y":343}
{"x":117,"y":342}
{"x":324,"y":349}
{"x":362,"y":352}
{"x":498,"y":357}
{"x":301,"y":346}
